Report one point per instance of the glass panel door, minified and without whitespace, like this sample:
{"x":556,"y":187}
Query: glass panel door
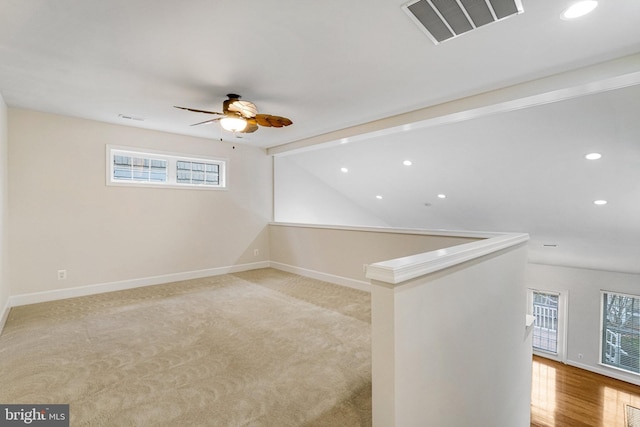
{"x":545,"y":327}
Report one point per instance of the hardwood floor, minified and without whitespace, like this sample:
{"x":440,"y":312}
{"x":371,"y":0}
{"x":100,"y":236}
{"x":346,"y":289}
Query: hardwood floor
{"x":564,"y":396}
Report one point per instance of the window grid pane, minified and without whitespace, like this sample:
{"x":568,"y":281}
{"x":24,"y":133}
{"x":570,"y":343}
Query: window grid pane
{"x":621,"y":331}
{"x":140,"y":169}
{"x":197,"y":173}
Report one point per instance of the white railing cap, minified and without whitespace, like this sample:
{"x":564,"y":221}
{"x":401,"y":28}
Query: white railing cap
{"x":400,"y":270}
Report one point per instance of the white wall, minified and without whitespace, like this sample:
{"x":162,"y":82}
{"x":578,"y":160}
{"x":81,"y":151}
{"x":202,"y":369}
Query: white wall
{"x":65,"y":217}
{"x":451,"y":348}
{"x":4,"y":192}
{"x":583,"y":288}
{"x":303,"y":198}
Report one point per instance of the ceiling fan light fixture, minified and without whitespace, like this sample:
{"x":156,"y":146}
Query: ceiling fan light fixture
{"x":233,"y":124}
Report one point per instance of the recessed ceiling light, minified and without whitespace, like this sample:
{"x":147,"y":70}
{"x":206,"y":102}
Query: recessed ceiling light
{"x":344,"y":170}
{"x":442,"y":196}
{"x":407,"y":163}
{"x":593,"y":156}
{"x":379,"y":197}
{"x":599,"y":202}
{"x":579,"y":9}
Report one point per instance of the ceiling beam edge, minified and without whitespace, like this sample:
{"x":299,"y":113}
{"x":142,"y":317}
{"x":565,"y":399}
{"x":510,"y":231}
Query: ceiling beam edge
{"x":610,"y":75}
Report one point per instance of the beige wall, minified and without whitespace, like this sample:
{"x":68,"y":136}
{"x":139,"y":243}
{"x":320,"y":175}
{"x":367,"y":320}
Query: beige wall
{"x":4,"y":191}
{"x":63,"y":216}
{"x":342,"y":252}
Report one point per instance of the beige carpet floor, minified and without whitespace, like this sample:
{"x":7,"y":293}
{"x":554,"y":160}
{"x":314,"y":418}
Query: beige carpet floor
{"x":259,"y":348}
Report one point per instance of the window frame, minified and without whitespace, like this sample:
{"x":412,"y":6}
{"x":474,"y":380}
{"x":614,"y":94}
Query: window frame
{"x":602,"y":331}
{"x":561,"y":335}
{"x":171,"y":159}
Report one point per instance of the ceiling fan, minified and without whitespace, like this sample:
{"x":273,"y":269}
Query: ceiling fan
{"x":241,"y":116}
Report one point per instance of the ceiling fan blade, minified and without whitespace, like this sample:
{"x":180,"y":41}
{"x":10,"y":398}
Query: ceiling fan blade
{"x":245,"y":108}
{"x":198,"y":111}
{"x":268,"y":120}
{"x":206,"y":122}
{"x":234,"y":107}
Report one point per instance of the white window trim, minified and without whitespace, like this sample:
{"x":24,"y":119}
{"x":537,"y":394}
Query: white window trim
{"x":563,"y":309}
{"x":172,"y":159}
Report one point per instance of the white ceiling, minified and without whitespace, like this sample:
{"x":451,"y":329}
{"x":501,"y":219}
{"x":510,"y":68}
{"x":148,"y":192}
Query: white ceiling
{"x":330,"y":65}
{"x":325,"y":64}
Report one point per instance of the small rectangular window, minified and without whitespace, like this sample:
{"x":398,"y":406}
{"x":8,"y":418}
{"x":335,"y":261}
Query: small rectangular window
{"x":620,"y":338}
{"x":127,"y":166}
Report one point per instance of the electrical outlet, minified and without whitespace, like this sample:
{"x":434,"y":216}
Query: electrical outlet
{"x":256,"y":252}
{"x":580,"y":356}
{"x":62,"y":274}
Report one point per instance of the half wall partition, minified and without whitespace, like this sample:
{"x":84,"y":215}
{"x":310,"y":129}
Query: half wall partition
{"x":449,"y":342}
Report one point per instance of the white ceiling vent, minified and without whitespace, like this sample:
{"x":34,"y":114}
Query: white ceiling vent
{"x":445,"y":19}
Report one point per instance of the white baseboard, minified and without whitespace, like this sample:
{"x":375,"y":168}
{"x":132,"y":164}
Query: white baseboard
{"x":4,"y":314}
{"x":58,"y":294}
{"x":37,"y":297}
{"x":337,"y":280}
{"x":549,"y":356}
{"x":606,"y":372}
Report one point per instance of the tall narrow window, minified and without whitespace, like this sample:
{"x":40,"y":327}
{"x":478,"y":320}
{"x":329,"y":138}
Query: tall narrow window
{"x":620,"y":339}
{"x":545,"y":327}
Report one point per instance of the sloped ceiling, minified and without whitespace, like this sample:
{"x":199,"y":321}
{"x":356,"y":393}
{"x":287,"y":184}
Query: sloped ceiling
{"x":522,"y":171}
{"x":335,"y":65}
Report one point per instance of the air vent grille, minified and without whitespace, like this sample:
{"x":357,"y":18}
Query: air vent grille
{"x":445,"y":19}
